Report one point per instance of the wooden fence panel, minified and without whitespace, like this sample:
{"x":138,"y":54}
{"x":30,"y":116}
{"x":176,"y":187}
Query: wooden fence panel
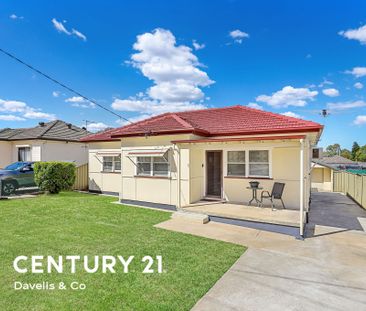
{"x":351,"y":184}
{"x":82,"y":178}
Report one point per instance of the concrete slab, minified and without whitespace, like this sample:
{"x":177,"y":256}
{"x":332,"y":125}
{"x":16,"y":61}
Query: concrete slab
{"x":278,"y":272}
{"x":239,"y":211}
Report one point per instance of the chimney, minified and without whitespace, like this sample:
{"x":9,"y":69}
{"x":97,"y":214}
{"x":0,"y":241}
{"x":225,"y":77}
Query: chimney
{"x":69,"y":125}
{"x":41,"y":124}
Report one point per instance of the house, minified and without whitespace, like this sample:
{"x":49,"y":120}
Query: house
{"x":178,"y":159}
{"x":322,"y":173}
{"x":55,"y":140}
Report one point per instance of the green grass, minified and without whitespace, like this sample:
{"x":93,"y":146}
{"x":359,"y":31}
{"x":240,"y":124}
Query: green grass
{"x":82,"y":224}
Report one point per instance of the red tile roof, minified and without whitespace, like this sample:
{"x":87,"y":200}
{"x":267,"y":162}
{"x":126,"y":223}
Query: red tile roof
{"x":234,"y":120}
{"x":101,"y":136}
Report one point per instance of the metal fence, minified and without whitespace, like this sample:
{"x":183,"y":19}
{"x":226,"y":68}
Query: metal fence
{"x":351,"y":184}
{"x":82,"y":179}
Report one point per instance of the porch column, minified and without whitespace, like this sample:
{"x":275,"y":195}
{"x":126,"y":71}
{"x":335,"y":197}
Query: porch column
{"x":302,"y":187}
{"x":120,"y":195}
{"x":179,"y":205}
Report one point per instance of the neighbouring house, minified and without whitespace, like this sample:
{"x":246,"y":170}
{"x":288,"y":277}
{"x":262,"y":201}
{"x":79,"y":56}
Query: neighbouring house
{"x":322,"y":177}
{"x":322,"y":173}
{"x":181,"y":158}
{"x":50,"y":141}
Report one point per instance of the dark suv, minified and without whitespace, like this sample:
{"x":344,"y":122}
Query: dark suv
{"x":15,"y":176}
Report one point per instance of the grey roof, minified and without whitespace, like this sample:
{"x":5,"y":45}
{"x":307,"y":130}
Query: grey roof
{"x":54,"y":130}
{"x":337,"y":159}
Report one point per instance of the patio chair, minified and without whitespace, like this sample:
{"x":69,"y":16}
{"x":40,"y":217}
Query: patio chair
{"x":276,"y":194}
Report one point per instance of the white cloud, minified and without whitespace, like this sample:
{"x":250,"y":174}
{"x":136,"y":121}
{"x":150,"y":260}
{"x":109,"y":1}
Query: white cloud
{"x":97,"y":126}
{"x":255,"y":106}
{"x":325,"y":82}
{"x":331,"y":92}
{"x":198,"y":46}
{"x":14,"y":16}
{"x":360,"y":120}
{"x":11,"y":117}
{"x":80,"y":102}
{"x":238,"y":35}
{"x":358,"y":72}
{"x":14,"y":106}
{"x":358,"y":34}
{"x":55,"y":93}
{"x":78,"y":34}
{"x":60,"y":27}
{"x":358,"y":85}
{"x":36,"y":114}
{"x":288,"y":96}
{"x":291,"y":114}
{"x":346,"y":105}
{"x":175,"y":72}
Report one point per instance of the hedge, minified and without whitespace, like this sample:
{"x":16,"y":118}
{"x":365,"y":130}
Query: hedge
{"x":53,"y":177}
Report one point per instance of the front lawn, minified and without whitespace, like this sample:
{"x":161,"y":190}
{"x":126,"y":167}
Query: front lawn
{"x":81,"y":224}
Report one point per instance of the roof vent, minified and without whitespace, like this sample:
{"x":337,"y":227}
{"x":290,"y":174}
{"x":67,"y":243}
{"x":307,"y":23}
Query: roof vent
{"x":69,"y":125}
{"x":41,"y":124}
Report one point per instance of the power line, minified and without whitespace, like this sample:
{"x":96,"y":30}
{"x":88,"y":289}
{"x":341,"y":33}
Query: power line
{"x":66,"y":87}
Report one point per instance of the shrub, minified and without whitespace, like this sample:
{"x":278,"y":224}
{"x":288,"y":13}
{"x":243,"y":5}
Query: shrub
{"x":54,"y":177}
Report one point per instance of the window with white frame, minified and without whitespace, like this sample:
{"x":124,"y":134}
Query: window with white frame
{"x":152,"y":166}
{"x":248,"y":163}
{"x":112,"y":163}
{"x":259,"y":163}
{"x":236,"y":163}
{"x":24,"y":154}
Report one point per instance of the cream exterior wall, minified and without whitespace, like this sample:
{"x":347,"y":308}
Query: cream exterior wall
{"x":322,"y":178}
{"x":48,"y":150}
{"x":5,"y":153}
{"x":157,"y":189}
{"x":284,"y":161}
{"x":99,"y":180}
{"x":284,"y":167}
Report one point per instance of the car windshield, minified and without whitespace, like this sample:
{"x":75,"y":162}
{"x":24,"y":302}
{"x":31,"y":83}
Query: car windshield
{"x":14,"y":166}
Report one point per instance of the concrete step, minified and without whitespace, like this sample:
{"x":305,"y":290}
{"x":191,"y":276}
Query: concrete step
{"x":195,"y":217}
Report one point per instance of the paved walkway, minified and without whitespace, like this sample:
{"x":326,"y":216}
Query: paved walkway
{"x":277,"y":272}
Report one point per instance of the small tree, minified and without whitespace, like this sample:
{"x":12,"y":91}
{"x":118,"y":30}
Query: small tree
{"x":333,"y":150}
{"x":345,"y":153}
{"x":54,"y":177}
{"x":355,"y":149}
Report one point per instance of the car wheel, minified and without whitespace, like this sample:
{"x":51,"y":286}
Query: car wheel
{"x":8,"y":187}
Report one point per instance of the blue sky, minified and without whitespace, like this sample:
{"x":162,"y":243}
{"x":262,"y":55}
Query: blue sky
{"x":280,"y":56}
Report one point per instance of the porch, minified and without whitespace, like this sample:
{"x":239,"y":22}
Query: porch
{"x":282,"y":217}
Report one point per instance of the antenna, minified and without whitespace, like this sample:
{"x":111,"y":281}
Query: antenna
{"x":88,"y":122}
{"x":324,"y":113}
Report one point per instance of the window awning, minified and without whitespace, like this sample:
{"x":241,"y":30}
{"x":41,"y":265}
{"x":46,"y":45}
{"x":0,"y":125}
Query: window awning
{"x":150,"y":153}
{"x":109,"y":154}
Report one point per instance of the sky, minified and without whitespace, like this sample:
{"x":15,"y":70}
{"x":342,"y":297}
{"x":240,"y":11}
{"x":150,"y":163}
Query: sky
{"x":142,"y":58}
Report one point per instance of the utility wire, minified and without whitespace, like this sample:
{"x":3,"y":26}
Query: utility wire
{"x":65,"y":86}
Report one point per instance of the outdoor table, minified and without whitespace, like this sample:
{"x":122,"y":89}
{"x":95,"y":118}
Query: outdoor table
{"x":254,"y":194}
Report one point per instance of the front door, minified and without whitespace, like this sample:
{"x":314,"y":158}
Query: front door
{"x":213,"y":173}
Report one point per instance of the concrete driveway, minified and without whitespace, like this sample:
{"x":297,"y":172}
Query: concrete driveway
{"x":325,"y":272}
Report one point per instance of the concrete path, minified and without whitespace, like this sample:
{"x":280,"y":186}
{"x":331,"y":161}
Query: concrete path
{"x":336,"y":210}
{"x":277,"y":272}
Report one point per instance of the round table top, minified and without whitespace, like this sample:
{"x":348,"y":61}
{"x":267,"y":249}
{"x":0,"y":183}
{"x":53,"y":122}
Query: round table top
{"x":255,"y":188}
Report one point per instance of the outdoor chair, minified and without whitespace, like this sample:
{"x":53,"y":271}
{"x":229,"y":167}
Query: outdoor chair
{"x":276,"y":194}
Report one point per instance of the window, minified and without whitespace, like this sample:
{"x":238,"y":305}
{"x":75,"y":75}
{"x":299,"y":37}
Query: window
{"x":152,"y":166}
{"x":259,"y":163}
{"x":111,"y":163}
{"x":236,"y":163}
{"x":24,"y":154}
